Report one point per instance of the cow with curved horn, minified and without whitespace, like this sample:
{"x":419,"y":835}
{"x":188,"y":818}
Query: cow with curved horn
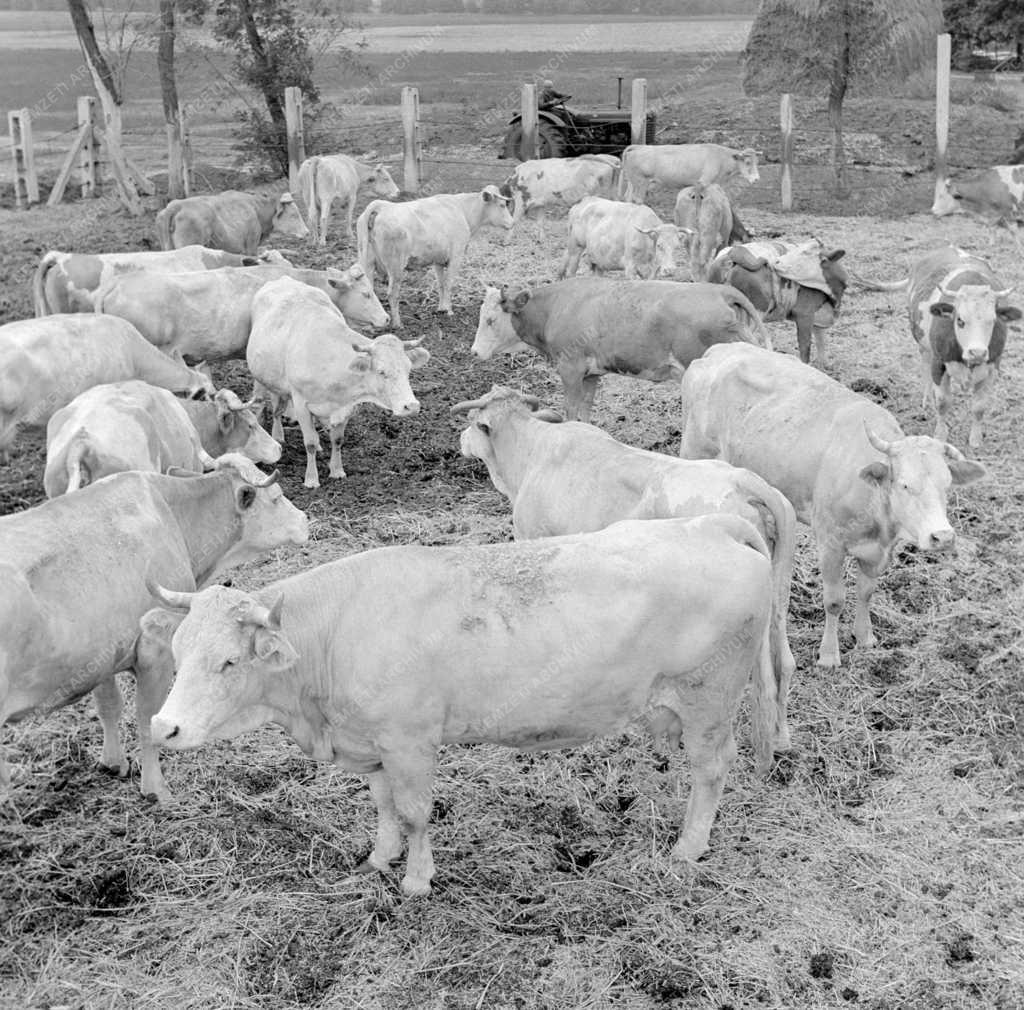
{"x":301,"y":350}
{"x":818,"y":443}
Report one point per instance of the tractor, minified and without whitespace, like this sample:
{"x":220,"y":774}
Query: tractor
{"x":564,"y":133}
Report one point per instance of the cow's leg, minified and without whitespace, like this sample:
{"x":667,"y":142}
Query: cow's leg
{"x":309,"y":438}
{"x":572,"y":383}
{"x":350,"y":211}
{"x":388,"y":845}
{"x":819,"y":346}
{"x":394,"y":286}
{"x":589,"y":392}
{"x":571,"y":263}
{"x":277,"y":405}
{"x":803,"y":338}
{"x":410,"y":770}
{"x":446,"y":279}
{"x":325,"y":217}
{"x":943,"y":398}
{"x":831,"y":555}
{"x":867,"y":582}
{"x":109,"y":705}
{"x":926,"y":377}
{"x":339,"y":422}
{"x":981,"y":397}
{"x":440,"y":275}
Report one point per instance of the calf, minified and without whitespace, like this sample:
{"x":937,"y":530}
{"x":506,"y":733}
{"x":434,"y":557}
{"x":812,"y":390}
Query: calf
{"x":302,"y":349}
{"x":707,"y":214}
{"x":996,"y":197}
{"x":545,"y":182}
{"x":73,"y":577}
{"x":234,"y":221}
{"x":574,"y":478}
{"x":810,"y":296}
{"x":45,"y":363}
{"x":679,"y":165}
{"x":433,"y":230}
{"x":329,"y":177}
{"x":208,"y":315}
{"x":620,"y":236}
{"x":589,"y":326}
{"x":495,"y":643}
{"x":842,"y":461}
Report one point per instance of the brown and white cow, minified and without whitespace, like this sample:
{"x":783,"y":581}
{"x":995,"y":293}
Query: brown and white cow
{"x":569,"y":477}
{"x":552,"y":182}
{"x":487,"y":644}
{"x":325,"y":178}
{"x":708,"y":214}
{"x":590,"y":326}
{"x":679,"y":165}
{"x":45,"y":363}
{"x":226,"y":424}
{"x":613,"y":235}
{"x":431,"y":231}
{"x":302,"y":350}
{"x":785,"y":280}
{"x":208,"y":315}
{"x":842,"y":460}
{"x":234,"y":221}
{"x":73,"y":574}
{"x":996,"y":197}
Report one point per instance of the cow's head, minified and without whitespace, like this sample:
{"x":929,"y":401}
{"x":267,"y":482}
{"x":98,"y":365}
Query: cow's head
{"x":381,"y":371}
{"x":495,"y":331}
{"x":666,"y":242}
{"x":496,"y":208}
{"x":746,"y":162}
{"x":381,"y":183}
{"x":287,"y":218}
{"x":228,"y":650}
{"x":914,"y":477}
{"x":974,"y":309}
{"x":352,"y":293}
{"x":198,"y":381}
{"x":946,"y":201}
{"x":241,"y":429}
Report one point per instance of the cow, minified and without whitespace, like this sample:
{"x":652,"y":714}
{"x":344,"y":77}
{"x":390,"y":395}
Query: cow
{"x":329,"y":177}
{"x":208,"y":315}
{"x":135,"y":426}
{"x":620,"y":236}
{"x":66,"y":282}
{"x":45,"y":363}
{"x":679,"y":165}
{"x":708,"y":214}
{"x":73,"y":577}
{"x":433,"y":230}
{"x":590,"y":326}
{"x":545,"y":182}
{"x":234,"y":221}
{"x":302,"y":350}
{"x":569,"y":477}
{"x":995,"y":196}
{"x":810,"y":295}
{"x":495,"y":644}
{"x":842,"y":460}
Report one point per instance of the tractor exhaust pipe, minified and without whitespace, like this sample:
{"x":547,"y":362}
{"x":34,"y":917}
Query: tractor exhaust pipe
{"x":618,"y":101}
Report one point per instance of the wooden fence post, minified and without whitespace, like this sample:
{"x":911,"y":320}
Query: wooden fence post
{"x":528,"y":112}
{"x":786,"y":125}
{"x":186,"y":151}
{"x":411,"y":140}
{"x":942,"y":70}
{"x":296,"y":141}
{"x":26,"y":184}
{"x":638,"y":120}
{"x":89,"y":157}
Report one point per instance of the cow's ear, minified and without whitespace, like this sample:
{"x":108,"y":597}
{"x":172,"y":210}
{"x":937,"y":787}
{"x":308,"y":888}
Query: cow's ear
{"x":340,"y":285}
{"x":835,"y":256}
{"x":488,"y":196}
{"x":944,"y":310}
{"x":418,"y":356}
{"x":275,"y":653}
{"x":225,"y":418}
{"x":963,"y":470}
{"x":159,"y":624}
{"x":549,"y":415}
{"x":361,"y":362}
{"x":876,"y":473}
{"x":1008,"y":313}
{"x":520,"y":300}
{"x":484,"y":428}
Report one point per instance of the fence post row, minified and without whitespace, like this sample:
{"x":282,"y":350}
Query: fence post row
{"x":411,"y":161}
{"x":296,"y":141}
{"x":26,"y":183}
{"x":942,"y":72}
{"x":786,"y":125}
{"x":638,"y":118}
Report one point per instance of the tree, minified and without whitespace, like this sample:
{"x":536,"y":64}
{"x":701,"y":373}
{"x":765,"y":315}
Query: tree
{"x":805,"y":46}
{"x":169,"y":94}
{"x":974,"y":23}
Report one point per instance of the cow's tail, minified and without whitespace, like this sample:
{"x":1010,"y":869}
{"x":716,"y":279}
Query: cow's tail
{"x":364,"y":240}
{"x":741,"y":303}
{"x":164,"y":226}
{"x":870,"y":285}
{"x":46,"y":264}
{"x":76,"y":464}
{"x":307,"y":190}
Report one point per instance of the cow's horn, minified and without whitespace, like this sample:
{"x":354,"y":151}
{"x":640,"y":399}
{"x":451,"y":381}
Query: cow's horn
{"x":249,"y":404}
{"x":169,"y":597}
{"x":466,"y":406}
{"x":879,"y":443}
{"x":413,"y":343}
{"x":1003,"y":294}
{"x":531,"y":401}
{"x":272,"y":479}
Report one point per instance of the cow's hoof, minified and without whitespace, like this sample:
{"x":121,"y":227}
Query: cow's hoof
{"x":413,"y":888}
{"x":869,"y":642}
{"x":687,"y":850}
{"x":311,"y":482}
{"x":160,"y":796}
{"x":337,"y":473}
{"x":828,"y":661}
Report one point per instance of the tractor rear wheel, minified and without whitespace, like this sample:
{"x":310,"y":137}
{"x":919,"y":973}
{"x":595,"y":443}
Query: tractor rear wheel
{"x":550,"y":142}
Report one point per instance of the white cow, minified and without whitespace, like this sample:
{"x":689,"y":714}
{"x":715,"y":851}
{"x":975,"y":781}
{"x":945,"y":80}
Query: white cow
{"x":551,"y":182}
{"x":841,"y":459}
{"x":208,"y":315}
{"x":995,"y":197}
{"x":45,"y":363}
{"x":678,"y":165}
{"x":433,"y":230}
{"x":705,"y":211}
{"x":376,"y":660}
{"x":302,"y":349}
{"x":135,"y":426}
{"x":621,"y":236}
{"x":329,"y":177}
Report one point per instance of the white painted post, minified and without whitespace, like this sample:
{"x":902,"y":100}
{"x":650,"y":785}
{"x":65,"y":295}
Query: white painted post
{"x":26,"y":183}
{"x":786,"y":125}
{"x":528,"y":106}
{"x":89,"y":157}
{"x":942,"y":72}
{"x":638,"y":119}
{"x":296,"y":141}
{"x":186,"y":151}
{"x":411,"y":163}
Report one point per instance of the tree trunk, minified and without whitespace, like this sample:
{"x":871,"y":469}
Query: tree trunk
{"x":273,"y":100}
{"x":836,"y":94}
{"x":169,"y":93}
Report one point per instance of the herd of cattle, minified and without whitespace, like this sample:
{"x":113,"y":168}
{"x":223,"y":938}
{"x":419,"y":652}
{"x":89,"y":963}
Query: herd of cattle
{"x":375,"y":660}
